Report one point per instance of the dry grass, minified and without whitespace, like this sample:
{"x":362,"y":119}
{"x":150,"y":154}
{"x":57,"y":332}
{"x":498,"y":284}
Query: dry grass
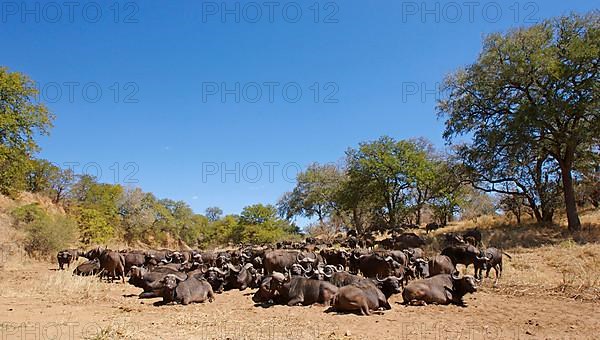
{"x":64,"y":286}
{"x":57,"y":286}
{"x":567,"y":270}
{"x":115,"y":331}
{"x":547,"y":260}
{"x":500,"y":232}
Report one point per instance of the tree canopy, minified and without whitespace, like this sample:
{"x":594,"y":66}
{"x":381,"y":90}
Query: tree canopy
{"x":529,"y":100}
{"x":21,"y":120}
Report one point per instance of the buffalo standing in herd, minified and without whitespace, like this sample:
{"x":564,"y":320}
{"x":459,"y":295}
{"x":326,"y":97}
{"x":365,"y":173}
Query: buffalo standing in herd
{"x":346,"y":278}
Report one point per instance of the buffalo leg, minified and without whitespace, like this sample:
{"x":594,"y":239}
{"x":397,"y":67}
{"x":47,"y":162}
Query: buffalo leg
{"x":500,"y":268}
{"x":364,"y":309}
{"x":296,"y":301}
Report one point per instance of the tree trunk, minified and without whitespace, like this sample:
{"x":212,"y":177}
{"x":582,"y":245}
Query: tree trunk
{"x":547,"y":216}
{"x":536,"y":211}
{"x":356,"y":218}
{"x":569,"y":193}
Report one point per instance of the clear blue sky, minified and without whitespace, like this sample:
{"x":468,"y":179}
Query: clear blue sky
{"x":372,"y":61}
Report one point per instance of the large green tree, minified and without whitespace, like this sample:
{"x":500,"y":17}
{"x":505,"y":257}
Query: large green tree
{"x":534,"y":88}
{"x":21,"y":120}
{"x":260,"y":223}
{"x":213,"y":213}
{"x":314,"y":194}
{"x":45,"y":177}
{"x":387,"y":172}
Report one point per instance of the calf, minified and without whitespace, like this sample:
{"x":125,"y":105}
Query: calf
{"x":442,"y":289}
{"x":492,"y":259}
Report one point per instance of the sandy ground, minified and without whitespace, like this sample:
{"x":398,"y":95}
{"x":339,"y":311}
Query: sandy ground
{"x":27,"y":312}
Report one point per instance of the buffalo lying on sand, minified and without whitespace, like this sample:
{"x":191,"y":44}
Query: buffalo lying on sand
{"x":442,"y":289}
{"x":185,"y":291}
{"x":88,"y":268}
{"x":440,"y":264}
{"x":361,"y":296}
{"x":295,"y":290}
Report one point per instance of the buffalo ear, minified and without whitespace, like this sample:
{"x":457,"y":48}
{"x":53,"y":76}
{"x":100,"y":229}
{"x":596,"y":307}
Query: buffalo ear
{"x":456,"y":275}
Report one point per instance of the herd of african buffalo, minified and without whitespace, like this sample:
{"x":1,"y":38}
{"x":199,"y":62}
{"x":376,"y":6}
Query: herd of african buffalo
{"x":348,"y":275}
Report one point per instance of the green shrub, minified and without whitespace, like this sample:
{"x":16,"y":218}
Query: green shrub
{"x":93,"y":226}
{"x":45,"y":234}
{"x":48,"y":235}
{"x":27,"y":214}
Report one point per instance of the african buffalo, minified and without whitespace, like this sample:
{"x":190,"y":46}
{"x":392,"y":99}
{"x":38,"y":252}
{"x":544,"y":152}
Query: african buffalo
{"x":362,"y":296}
{"x":245,"y":277}
{"x":133,"y":258}
{"x":73,"y":256}
{"x":409,"y":240}
{"x":88,"y":268}
{"x":278,"y":260}
{"x":173,"y":289}
{"x":67,"y":256}
{"x":341,"y":279}
{"x":159,"y":255}
{"x":374,"y":265}
{"x":300,"y":290}
{"x":431,"y":227}
{"x":442,"y":289}
{"x":208,"y":258}
{"x":414,"y":253}
{"x":112,"y":263}
{"x":492,"y":259}
{"x":451,"y":239}
{"x":142,"y":278}
{"x":335,"y":257}
{"x":217,"y":278}
{"x":463,"y":254}
{"x":440,"y":264}
{"x":472,"y":236}
{"x":389,"y":286}
{"x":264,"y":294}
